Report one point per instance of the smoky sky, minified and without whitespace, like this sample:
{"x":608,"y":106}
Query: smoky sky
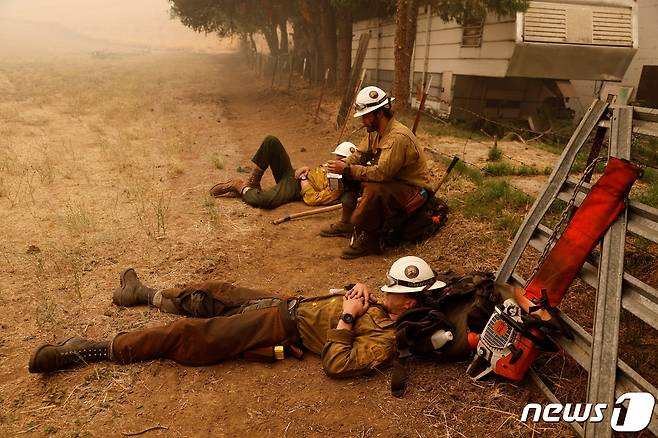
{"x":145,"y":22}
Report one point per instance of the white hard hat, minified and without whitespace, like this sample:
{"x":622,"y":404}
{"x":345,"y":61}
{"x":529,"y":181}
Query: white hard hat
{"x":345,"y":149}
{"x":369,"y":99}
{"x":411,"y":274}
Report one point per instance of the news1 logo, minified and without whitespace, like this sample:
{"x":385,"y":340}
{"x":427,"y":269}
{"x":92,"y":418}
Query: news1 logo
{"x":637,"y":415}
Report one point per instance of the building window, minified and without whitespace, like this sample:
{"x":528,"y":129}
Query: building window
{"x":472,"y":31}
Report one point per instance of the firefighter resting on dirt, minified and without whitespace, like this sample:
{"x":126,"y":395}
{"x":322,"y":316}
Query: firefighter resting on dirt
{"x":306,"y":184}
{"x":351,"y":332}
{"x":388,"y":169}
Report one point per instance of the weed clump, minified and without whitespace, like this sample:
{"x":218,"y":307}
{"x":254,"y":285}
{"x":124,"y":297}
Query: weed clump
{"x":505,"y":169}
{"x":495,"y":154}
{"x":499,"y":203}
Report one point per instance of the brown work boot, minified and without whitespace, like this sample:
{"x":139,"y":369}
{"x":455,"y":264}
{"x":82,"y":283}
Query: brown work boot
{"x":232,"y":186}
{"x":132,"y":292}
{"x":338,"y":229}
{"x":254,"y":178}
{"x":73,"y":351}
{"x":362,"y":244}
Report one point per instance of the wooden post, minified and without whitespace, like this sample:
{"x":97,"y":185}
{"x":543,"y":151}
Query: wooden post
{"x":282,"y":70}
{"x":290,"y":66}
{"x":349,"y":111}
{"x":275,"y":65}
{"x":421,"y":105}
{"x":316,"y":67}
{"x":324,"y":86}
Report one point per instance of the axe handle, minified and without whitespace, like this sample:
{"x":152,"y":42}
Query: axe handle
{"x":308,"y":213}
{"x":451,"y":166}
{"x":419,"y":112}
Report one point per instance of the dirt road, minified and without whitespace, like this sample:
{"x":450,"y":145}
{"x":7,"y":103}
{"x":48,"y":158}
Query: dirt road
{"x":105,"y":163}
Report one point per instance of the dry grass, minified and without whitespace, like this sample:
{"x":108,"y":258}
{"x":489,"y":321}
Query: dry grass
{"x":121,"y":179}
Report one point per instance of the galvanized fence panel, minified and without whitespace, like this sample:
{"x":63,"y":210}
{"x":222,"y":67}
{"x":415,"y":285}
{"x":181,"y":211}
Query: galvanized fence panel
{"x":609,"y":377}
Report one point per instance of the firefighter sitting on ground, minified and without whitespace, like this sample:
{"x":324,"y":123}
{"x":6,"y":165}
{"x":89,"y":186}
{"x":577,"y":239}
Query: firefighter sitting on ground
{"x":389,"y":168}
{"x":351,"y":332}
{"x":309,"y":185}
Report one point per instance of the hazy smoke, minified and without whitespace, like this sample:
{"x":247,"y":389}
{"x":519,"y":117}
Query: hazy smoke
{"x":78,"y":23}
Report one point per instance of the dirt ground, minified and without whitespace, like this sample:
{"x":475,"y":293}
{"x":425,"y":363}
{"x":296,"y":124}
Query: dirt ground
{"x":106,"y":158}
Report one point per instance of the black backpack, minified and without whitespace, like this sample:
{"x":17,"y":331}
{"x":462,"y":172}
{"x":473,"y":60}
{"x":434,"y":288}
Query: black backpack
{"x":414,"y":228}
{"x":463,"y":305}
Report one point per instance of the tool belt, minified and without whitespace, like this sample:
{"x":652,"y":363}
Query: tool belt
{"x":288,"y":310}
{"x":289,"y":313}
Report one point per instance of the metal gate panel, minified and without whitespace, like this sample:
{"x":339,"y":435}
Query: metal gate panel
{"x":607,"y":313}
{"x":609,"y":377}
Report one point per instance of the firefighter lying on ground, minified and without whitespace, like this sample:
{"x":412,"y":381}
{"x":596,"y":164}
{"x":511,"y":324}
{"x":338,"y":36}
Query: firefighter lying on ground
{"x":306,"y":184}
{"x":388,"y":169}
{"x":351,"y":332}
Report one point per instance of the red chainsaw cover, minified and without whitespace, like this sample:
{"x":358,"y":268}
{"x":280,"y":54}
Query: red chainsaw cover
{"x":601,"y":207}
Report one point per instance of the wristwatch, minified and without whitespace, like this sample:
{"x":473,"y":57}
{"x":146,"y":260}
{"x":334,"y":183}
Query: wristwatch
{"x":348,"y":318}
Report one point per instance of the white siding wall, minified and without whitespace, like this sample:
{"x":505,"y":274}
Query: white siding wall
{"x":647,"y":53}
{"x":447,"y":54}
{"x":445,"y":50}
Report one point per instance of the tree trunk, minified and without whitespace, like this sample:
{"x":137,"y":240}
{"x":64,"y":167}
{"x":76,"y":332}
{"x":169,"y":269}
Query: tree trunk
{"x":344,"y":48}
{"x":327,"y":40}
{"x":272,"y":39}
{"x":283,"y":27}
{"x":406,"y":17}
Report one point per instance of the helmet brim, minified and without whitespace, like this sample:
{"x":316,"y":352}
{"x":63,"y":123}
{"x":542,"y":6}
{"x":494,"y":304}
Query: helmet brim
{"x":370,"y":109}
{"x":398,"y":289}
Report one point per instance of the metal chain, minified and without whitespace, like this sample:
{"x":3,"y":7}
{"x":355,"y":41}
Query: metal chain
{"x":559,"y":227}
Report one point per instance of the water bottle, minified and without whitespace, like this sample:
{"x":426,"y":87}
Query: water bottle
{"x":440,"y":337}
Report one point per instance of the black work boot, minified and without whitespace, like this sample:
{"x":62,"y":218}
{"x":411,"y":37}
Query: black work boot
{"x":337,"y":229}
{"x":362,"y":244}
{"x":233,"y":187}
{"x":132,"y":292}
{"x":73,"y":351}
{"x":343,"y":228}
{"x":254,"y":178}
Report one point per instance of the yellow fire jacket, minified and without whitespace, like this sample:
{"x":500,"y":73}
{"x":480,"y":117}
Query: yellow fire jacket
{"x":395,"y":156}
{"x":345,"y":353}
{"x":317,"y":191}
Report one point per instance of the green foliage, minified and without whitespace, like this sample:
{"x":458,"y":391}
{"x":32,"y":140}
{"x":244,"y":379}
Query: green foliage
{"x":225,"y":17}
{"x":498,"y":202}
{"x":494,"y":154}
{"x":503,"y":169}
{"x":461,"y":10}
{"x":645,"y":150}
{"x":649,"y":196}
{"x":650,"y":176}
{"x":364,"y":9}
{"x":469,"y":172}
